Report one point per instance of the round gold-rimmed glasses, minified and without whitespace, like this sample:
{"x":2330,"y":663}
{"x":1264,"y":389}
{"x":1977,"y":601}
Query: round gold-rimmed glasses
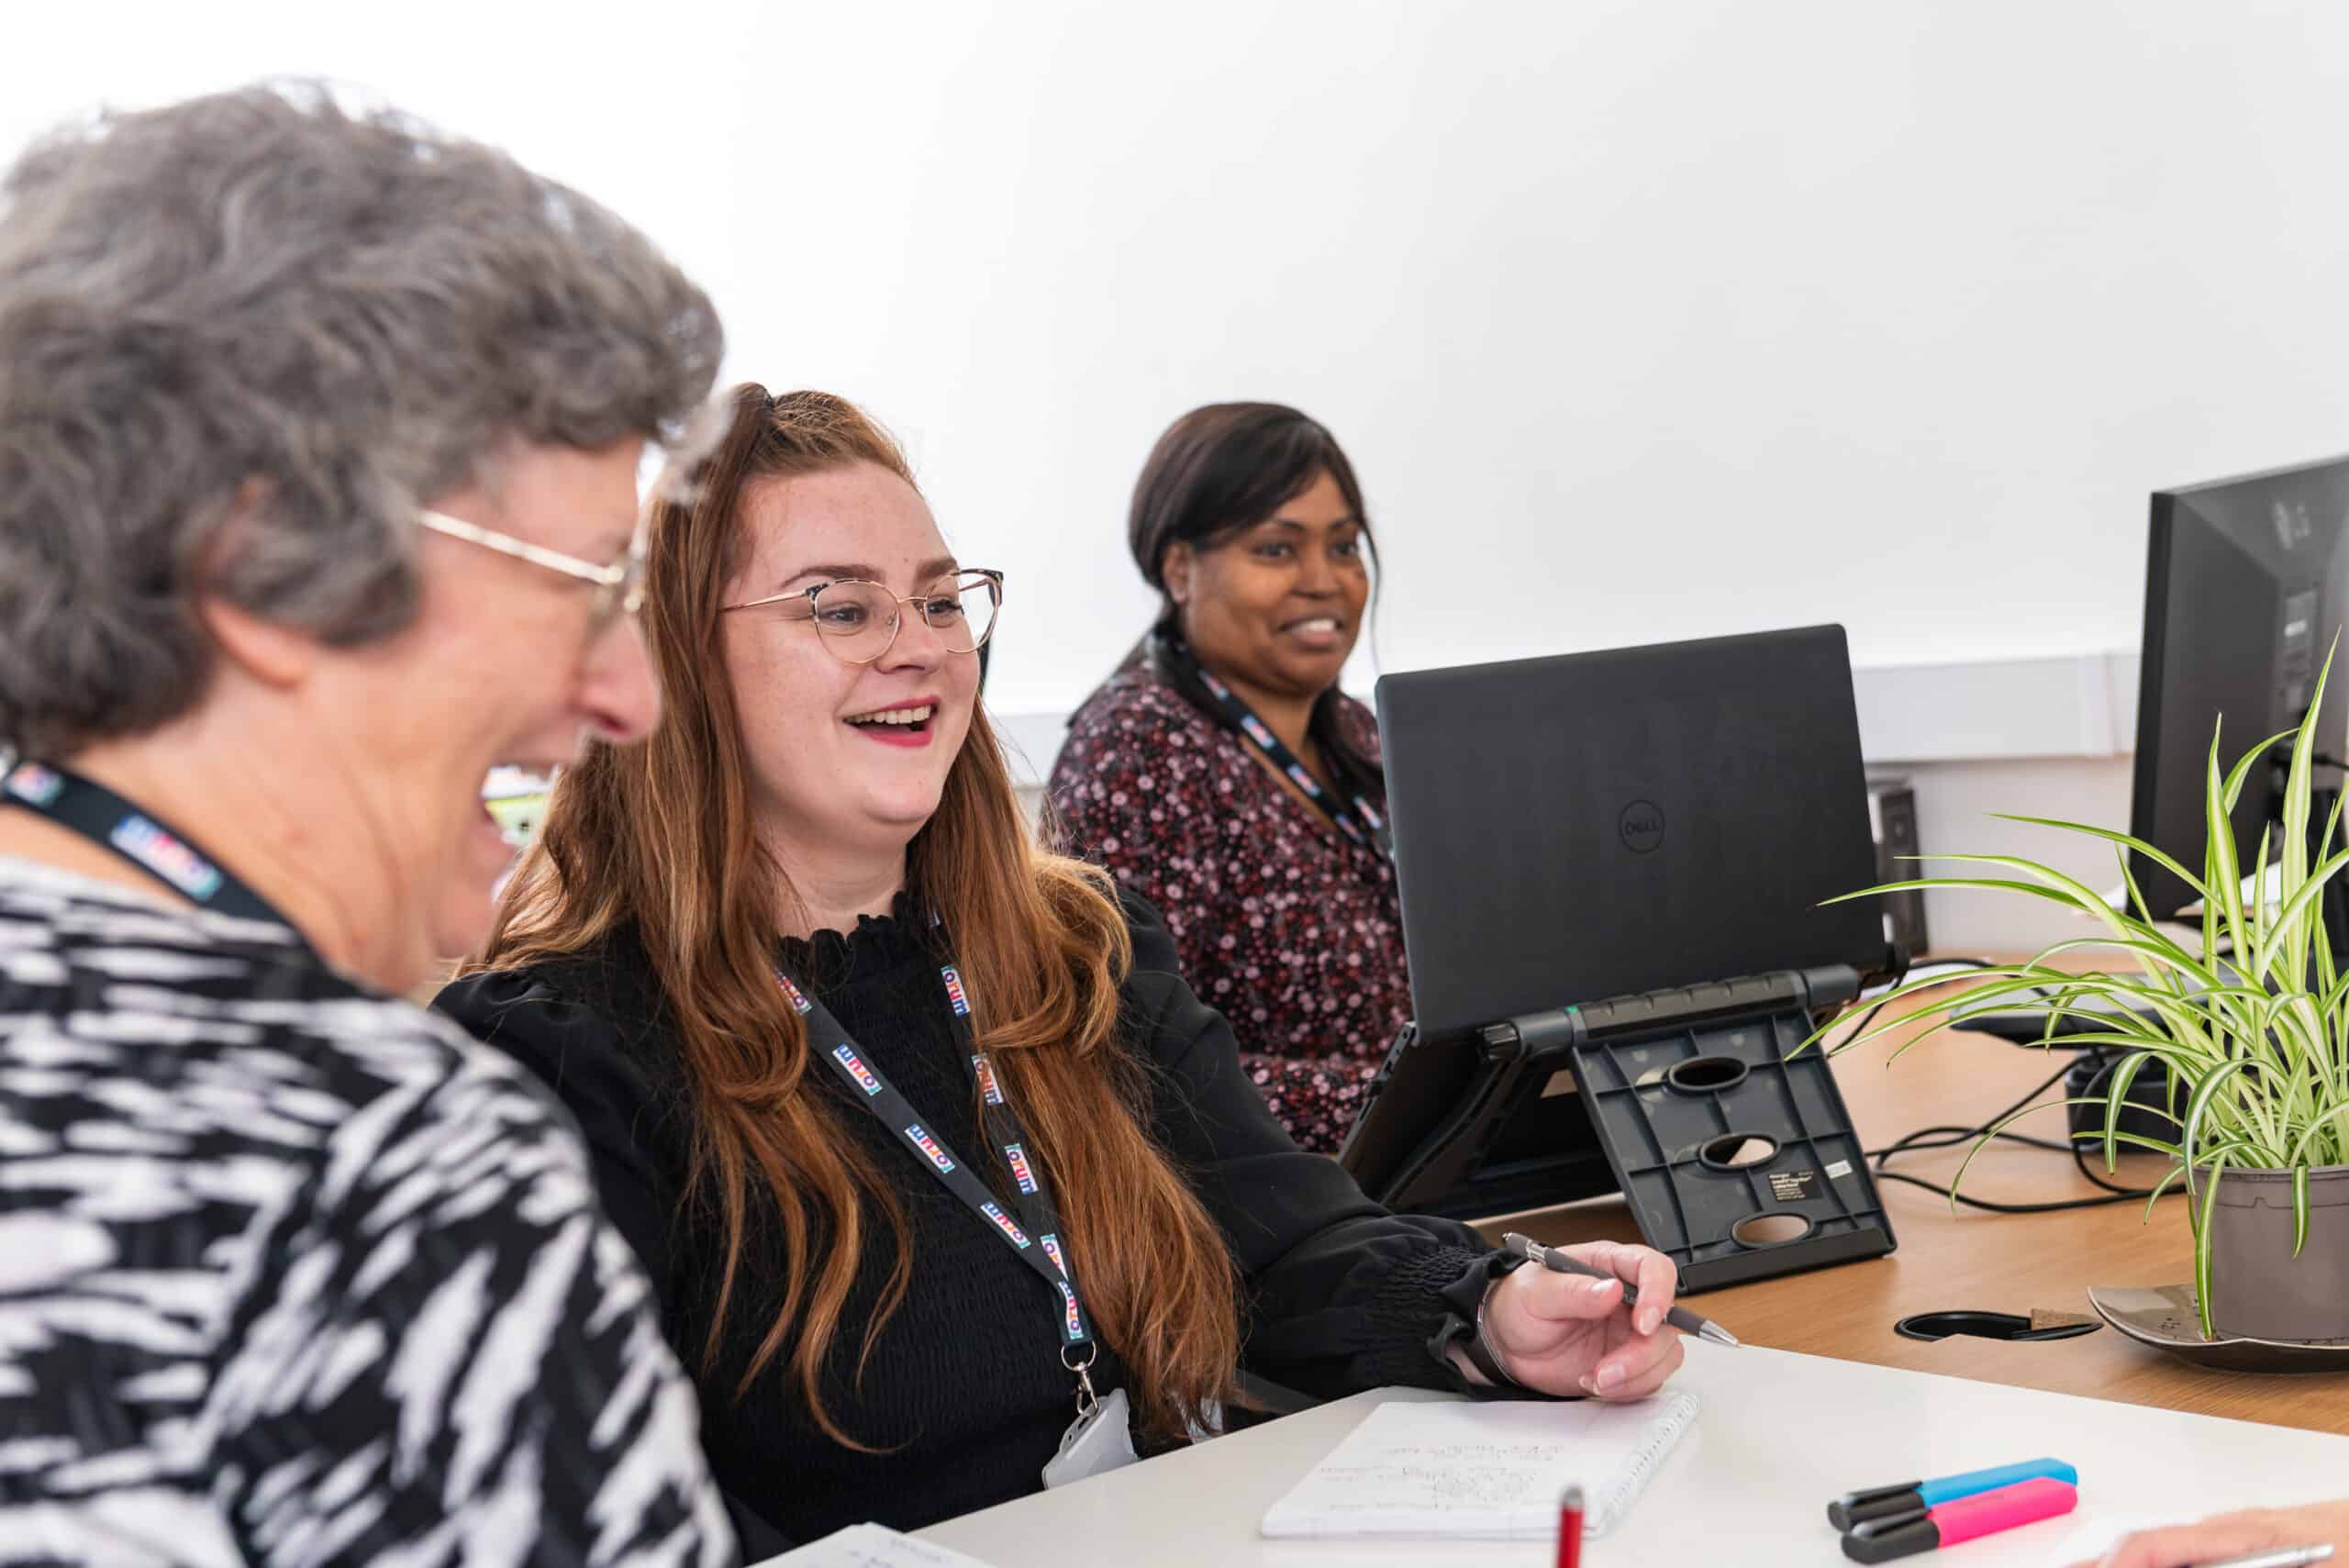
{"x":857,"y":620}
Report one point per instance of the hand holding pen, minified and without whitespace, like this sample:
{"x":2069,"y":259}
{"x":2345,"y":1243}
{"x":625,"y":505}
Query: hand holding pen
{"x":1556,"y":1258}
{"x":1555,"y":1331}
{"x":2256,"y":1538}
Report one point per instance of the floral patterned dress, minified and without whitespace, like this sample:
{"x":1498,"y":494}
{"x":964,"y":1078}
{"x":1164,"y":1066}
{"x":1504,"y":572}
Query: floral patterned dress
{"x":1289,"y":928}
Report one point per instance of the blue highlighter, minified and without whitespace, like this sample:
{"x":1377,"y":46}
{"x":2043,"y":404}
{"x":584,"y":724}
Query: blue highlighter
{"x":1855,"y":1508}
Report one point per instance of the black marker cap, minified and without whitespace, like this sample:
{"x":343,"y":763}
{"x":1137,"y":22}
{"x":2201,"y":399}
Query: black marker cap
{"x":1876,"y":1503}
{"x":1881,"y":1540}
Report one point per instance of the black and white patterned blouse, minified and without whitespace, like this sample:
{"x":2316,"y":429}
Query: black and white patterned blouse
{"x":293,"y":1273}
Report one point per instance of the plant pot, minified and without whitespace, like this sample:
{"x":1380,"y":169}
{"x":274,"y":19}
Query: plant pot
{"x":2258,"y":1289}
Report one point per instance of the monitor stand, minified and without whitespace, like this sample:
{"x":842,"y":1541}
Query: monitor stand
{"x":1732,"y":1149}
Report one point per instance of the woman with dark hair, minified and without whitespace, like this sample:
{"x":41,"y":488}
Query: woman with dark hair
{"x":1221,"y":775}
{"x":924,"y":1140}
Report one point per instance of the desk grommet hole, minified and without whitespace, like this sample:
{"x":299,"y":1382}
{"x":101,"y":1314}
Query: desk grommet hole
{"x":2009,"y":1326}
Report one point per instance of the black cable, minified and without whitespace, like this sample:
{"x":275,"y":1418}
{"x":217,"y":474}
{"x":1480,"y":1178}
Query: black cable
{"x":2080,"y":1158}
{"x":2077,"y":1148}
{"x":1932,"y":1138}
{"x":1900,"y":977}
{"x":1990,"y":1207}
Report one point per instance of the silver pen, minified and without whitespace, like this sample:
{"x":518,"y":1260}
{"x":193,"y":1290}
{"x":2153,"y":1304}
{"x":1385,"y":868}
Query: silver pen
{"x":2289,"y":1557}
{"x":1680,"y":1317}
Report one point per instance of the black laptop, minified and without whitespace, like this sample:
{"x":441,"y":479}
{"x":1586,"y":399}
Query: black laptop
{"x":1597,"y":826}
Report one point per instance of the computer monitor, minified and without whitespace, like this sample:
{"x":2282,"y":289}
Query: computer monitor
{"x":2246,"y":587}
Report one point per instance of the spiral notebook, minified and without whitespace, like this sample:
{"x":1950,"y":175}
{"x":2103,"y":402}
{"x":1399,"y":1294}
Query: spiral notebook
{"x":1491,"y":1471}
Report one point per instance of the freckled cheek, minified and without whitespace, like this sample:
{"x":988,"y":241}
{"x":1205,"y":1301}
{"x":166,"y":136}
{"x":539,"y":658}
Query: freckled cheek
{"x":780,"y":685}
{"x":959,"y":688}
{"x":961,"y":672}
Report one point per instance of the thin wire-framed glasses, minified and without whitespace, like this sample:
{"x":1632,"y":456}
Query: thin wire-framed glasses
{"x":619,"y":584}
{"x":857,"y":620}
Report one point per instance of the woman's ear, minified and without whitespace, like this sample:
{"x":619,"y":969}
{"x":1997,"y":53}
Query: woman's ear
{"x":275,"y":655}
{"x":1180,"y":559}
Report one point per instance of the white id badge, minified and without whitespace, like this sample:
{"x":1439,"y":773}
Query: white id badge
{"x":1096,"y":1442}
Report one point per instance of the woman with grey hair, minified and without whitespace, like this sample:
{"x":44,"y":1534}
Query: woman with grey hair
{"x":318,"y":443}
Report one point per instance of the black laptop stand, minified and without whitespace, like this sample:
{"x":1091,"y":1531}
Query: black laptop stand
{"x":1738,"y":1162}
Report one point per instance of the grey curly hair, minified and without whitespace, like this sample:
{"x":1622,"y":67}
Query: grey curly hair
{"x":264,"y":306}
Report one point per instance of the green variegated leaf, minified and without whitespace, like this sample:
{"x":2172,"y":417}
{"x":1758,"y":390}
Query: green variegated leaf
{"x":2255,"y":1046}
{"x":2155,"y":1195}
{"x":2115,"y":1097}
{"x":2120,"y":840}
{"x":2203,"y":1247}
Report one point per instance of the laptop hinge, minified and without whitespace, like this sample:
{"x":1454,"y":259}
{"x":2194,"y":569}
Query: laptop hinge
{"x":1535,"y":1035}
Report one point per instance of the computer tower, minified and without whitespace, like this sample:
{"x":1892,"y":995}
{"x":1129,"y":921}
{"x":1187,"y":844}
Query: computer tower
{"x":1892,"y":820}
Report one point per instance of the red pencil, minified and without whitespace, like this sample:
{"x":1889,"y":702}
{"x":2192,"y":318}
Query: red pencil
{"x":1570,"y":1529}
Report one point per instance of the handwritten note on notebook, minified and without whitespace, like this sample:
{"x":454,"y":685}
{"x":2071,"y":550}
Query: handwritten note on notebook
{"x":1483,"y":1472}
{"x":871,"y":1546}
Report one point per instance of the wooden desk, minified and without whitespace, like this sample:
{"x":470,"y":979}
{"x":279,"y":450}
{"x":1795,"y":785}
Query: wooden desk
{"x":1990,"y":1261}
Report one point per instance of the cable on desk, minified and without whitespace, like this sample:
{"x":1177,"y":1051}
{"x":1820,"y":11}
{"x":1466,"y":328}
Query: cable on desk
{"x":1900,"y":977}
{"x":1926,"y":1138}
{"x":1930,"y":1138}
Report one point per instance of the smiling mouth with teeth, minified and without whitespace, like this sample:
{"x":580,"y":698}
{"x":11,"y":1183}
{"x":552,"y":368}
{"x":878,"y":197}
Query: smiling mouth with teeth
{"x":895,"y":717}
{"x":1317,"y":629}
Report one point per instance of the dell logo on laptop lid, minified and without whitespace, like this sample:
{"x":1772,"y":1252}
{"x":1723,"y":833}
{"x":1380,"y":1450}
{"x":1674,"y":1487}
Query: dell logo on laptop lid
{"x":1640,"y":826}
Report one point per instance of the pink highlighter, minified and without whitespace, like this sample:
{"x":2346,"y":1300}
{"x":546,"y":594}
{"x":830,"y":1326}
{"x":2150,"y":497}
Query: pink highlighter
{"x":1960,"y":1518}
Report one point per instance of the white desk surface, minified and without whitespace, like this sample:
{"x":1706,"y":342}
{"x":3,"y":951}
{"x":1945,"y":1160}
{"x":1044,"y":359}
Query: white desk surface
{"x":1780,"y":1434}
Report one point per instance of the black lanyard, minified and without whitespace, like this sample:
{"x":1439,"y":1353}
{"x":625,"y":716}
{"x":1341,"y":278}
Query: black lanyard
{"x":104,"y":818}
{"x":1357,"y":818}
{"x":1044,"y":1252}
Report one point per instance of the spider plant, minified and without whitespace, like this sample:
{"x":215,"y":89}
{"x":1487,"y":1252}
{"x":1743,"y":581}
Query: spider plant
{"x":2257,"y":1048}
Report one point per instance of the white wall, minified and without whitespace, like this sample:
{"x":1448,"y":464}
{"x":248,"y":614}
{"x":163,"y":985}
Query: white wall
{"x":1642,"y":318}
{"x":1956,"y":803}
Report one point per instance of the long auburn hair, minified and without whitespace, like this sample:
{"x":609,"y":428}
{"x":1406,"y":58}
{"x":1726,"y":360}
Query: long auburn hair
{"x":1039,"y":937}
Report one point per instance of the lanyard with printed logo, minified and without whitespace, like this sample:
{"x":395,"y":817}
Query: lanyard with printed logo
{"x":84,"y":807}
{"x":1357,"y":817}
{"x":1044,"y":1251}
